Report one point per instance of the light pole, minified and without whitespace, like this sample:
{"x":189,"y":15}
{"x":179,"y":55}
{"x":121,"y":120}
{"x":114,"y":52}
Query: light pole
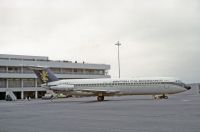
{"x":118,"y":44}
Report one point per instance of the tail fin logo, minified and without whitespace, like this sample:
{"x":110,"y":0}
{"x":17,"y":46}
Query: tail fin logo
{"x":44,"y":76}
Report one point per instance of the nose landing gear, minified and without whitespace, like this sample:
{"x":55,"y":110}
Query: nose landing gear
{"x":160,"y":96}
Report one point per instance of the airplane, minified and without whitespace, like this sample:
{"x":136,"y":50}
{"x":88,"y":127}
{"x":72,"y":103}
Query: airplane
{"x":158,"y":87}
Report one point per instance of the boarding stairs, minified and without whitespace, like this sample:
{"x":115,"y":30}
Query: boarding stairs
{"x":10,"y":94}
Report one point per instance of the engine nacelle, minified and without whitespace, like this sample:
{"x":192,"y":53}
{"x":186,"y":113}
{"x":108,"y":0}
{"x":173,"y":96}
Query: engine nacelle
{"x":63,"y":87}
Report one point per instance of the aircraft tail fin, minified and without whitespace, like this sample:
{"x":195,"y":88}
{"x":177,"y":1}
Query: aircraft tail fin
{"x":45,"y":75}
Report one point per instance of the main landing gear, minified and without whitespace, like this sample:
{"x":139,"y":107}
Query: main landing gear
{"x":100,"y":98}
{"x":160,"y":96}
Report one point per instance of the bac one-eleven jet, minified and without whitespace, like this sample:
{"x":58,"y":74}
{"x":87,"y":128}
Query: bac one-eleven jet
{"x":158,"y":87}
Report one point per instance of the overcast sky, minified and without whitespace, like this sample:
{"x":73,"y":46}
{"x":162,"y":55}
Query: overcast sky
{"x":158,"y":37}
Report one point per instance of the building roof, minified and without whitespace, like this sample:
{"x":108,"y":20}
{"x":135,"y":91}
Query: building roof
{"x":24,"y":60}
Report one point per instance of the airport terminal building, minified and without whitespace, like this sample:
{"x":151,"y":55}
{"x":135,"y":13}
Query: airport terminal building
{"x":17,"y":78}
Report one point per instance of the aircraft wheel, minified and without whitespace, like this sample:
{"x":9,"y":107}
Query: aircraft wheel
{"x":157,"y":97}
{"x":154,"y":97}
{"x":100,"y":98}
{"x":165,"y":97}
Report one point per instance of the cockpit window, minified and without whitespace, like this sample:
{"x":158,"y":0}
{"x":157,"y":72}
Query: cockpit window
{"x":180,"y":83}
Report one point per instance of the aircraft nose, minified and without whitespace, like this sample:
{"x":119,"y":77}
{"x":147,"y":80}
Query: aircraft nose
{"x":187,"y":87}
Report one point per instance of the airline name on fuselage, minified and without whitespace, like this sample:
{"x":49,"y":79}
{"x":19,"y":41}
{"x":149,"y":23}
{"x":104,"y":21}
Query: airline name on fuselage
{"x":135,"y":81}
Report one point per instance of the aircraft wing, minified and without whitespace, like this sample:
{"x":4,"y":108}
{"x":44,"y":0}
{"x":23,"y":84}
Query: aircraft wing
{"x":97,"y":91}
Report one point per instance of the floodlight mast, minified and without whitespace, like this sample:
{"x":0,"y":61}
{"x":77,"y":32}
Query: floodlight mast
{"x":118,"y":44}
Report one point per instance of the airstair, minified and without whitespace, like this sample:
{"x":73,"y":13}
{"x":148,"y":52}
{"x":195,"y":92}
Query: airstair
{"x":10,"y":96}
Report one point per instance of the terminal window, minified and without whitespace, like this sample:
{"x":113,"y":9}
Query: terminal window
{"x":14,"y":69}
{"x":2,"y":69}
{"x":2,"y":83}
{"x":12,"y":83}
{"x":28,"y":83}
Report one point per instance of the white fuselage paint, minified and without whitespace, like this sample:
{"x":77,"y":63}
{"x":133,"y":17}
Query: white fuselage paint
{"x":134,"y":86}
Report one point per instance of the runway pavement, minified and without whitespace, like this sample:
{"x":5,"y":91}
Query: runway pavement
{"x":179,"y":113}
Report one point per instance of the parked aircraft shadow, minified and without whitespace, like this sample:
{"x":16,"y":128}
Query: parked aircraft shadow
{"x":95,"y":101}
